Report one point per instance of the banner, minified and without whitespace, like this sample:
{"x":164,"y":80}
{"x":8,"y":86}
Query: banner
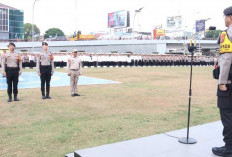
{"x":157,"y":33}
{"x":118,"y":19}
{"x":174,"y":22}
{"x":200,"y":25}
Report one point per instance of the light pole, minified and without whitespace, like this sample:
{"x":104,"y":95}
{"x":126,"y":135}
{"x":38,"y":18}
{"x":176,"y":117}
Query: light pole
{"x":32,"y":29}
{"x":76,"y":15}
{"x":136,"y":11}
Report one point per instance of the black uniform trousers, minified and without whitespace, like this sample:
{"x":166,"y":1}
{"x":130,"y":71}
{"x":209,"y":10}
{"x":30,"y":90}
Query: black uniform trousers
{"x":225,"y":107}
{"x":45,"y":78}
{"x":12,"y":78}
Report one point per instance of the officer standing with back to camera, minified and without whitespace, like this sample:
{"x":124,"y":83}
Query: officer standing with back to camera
{"x":45,"y":69}
{"x":224,"y":92}
{"x":74,"y":68}
{"x":11,"y":69}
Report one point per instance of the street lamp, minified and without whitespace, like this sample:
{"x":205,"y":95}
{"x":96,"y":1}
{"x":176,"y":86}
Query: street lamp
{"x":136,"y":11}
{"x":76,"y":15}
{"x":32,"y":31}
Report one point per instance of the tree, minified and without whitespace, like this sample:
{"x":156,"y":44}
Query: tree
{"x":53,"y":32}
{"x":213,"y":34}
{"x":28,"y":31}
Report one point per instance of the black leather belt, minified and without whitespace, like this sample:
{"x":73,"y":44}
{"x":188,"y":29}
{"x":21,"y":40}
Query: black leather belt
{"x":12,"y":67}
{"x":45,"y":66}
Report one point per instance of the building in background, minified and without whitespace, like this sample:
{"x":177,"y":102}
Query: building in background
{"x":11,"y":23}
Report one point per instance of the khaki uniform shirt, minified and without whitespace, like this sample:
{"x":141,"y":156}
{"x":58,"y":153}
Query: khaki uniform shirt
{"x":74,"y":63}
{"x":12,"y":60}
{"x":44,"y":59}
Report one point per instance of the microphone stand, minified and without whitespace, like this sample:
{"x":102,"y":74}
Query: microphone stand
{"x":187,"y":140}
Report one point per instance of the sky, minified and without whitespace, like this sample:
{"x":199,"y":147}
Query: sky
{"x":92,"y":15}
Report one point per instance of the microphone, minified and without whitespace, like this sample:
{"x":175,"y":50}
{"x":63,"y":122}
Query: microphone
{"x":212,"y":28}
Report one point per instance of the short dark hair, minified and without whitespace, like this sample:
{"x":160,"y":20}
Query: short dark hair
{"x":11,"y":44}
{"x":44,"y":43}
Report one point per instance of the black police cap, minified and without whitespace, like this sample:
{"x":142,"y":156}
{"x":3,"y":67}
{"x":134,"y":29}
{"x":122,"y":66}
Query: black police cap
{"x":11,"y":44}
{"x":228,"y":11}
{"x":44,"y":43}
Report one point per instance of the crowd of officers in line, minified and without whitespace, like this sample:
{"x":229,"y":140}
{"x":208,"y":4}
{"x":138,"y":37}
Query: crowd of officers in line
{"x":113,"y":60}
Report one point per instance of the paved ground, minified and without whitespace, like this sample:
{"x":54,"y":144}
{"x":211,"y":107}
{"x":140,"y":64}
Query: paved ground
{"x":163,"y":145}
{"x":32,"y":80}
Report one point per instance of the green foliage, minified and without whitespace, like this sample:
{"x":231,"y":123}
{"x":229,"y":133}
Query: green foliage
{"x":28,"y":31}
{"x":53,"y":32}
{"x":213,"y":34}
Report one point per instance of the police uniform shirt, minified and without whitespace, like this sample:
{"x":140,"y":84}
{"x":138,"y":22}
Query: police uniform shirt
{"x":11,"y":60}
{"x":0,"y":59}
{"x":31,"y":58}
{"x":224,"y":61}
{"x":115,"y":58}
{"x":26,"y":58}
{"x":82,"y":57}
{"x":98,"y":58}
{"x":94,"y":58}
{"x":44,"y":60}
{"x":111,"y":58}
{"x":229,"y":32}
{"x":74,"y":63}
{"x":65,"y":58}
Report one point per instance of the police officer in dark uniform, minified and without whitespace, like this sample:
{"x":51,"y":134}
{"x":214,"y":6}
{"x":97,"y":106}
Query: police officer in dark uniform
{"x":11,"y":69}
{"x":45,"y":69}
{"x":224,"y":92}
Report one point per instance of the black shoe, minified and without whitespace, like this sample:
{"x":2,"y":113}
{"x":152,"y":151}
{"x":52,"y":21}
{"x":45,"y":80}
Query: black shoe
{"x":9,"y":99}
{"x":16,"y":99}
{"x":43,"y":97}
{"x":48,"y":97}
{"x":72,"y":95}
{"x":222,"y":151}
{"x":77,"y":94}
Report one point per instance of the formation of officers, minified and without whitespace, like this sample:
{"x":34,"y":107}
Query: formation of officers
{"x":107,"y":60}
{"x":12,"y":68}
{"x":45,"y":63}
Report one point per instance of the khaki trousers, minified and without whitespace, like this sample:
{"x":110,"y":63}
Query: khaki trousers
{"x":73,"y":81}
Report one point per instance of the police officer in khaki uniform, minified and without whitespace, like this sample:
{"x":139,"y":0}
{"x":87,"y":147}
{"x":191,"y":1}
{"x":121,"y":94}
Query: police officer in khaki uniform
{"x":224,"y":92}
{"x":45,"y":69}
{"x":74,"y":68}
{"x":11,"y":69}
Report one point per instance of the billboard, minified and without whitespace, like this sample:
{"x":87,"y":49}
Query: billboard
{"x":200,"y":25}
{"x":174,"y":22}
{"x":118,"y":19}
{"x":157,"y":33}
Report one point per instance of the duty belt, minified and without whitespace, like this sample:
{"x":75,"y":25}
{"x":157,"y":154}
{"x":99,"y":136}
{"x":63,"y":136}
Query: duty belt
{"x":12,"y":67}
{"x":45,"y":66}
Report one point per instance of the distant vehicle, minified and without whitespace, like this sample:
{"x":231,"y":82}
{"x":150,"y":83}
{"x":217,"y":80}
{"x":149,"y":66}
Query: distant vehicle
{"x":165,"y":38}
{"x":59,"y":38}
{"x":83,"y":37}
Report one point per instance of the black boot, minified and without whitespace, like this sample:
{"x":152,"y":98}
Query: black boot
{"x":16,"y":98}
{"x":77,"y":94}
{"x":43,"y":95}
{"x":47,"y":95}
{"x":222,"y":151}
{"x":9,"y":99}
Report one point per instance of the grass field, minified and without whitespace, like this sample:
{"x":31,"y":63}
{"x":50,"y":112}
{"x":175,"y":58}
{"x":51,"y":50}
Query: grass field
{"x":150,"y":100}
